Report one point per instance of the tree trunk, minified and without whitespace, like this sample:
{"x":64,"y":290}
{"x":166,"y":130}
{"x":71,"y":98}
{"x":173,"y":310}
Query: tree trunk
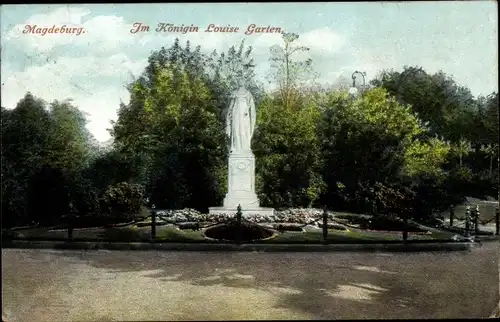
{"x":287,"y":85}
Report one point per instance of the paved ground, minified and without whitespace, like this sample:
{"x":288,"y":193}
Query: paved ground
{"x":49,"y":285}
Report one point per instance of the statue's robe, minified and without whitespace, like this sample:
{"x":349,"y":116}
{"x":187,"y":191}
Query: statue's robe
{"x":240,"y":121}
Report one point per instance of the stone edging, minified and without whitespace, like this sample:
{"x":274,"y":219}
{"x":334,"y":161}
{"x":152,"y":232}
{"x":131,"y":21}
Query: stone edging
{"x":203,"y":230}
{"x":400,"y":247}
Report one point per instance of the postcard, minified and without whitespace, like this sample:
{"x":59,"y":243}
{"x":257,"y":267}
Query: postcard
{"x":229,"y":161}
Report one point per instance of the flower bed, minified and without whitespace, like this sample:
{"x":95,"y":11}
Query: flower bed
{"x":296,"y":216}
{"x":246,"y":232}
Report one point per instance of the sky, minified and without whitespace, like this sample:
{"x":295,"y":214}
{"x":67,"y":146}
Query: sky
{"x":94,"y":67}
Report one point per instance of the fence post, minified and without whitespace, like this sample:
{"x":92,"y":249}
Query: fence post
{"x":476,"y":220}
{"x":325,"y":226}
{"x":467,"y":221}
{"x":405,"y":231}
{"x":238,"y":223}
{"x":70,"y":230}
{"x":71,"y":222}
{"x":452,"y":215}
{"x":153,"y":223}
{"x":497,"y":217}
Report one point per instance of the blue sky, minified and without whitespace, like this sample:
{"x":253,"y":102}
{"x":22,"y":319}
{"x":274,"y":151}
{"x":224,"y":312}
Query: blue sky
{"x":460,"y":38}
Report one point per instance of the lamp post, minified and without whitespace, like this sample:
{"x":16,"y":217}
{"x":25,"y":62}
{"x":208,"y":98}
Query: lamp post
{"x":354,"y":90}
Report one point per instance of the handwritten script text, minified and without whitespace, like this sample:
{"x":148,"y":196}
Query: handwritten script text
{"x":42,"y":31}
{"x":251,"y":29}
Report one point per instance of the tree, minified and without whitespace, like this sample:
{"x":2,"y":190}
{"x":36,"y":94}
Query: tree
{"x":171,"y":122}
{"x":288,"y":157}
{"x":112,"y":168}
{"x":222,"y":72}
{"x":289,"y":73}
{"x":25,"y":142}
{"x":44,"y":151}
{"x":453,"y":113}
{"x":461,"y":149}
{"x":490,"y":151}
{"x":231,"y":69}
{"x":285,"y":142}
{"x":487,"y":119}
{"x":426,"y":157}
{"x":437,"y":99}
{"x":70,"y":140}
{"x":174,"y":122}
{"x":371,"y":140}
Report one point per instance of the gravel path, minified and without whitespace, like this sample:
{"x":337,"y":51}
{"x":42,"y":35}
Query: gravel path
{"x":49,"y":285}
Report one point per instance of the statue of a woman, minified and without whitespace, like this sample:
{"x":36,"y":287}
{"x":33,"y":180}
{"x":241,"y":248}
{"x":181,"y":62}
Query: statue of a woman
{"x":240,"y":121}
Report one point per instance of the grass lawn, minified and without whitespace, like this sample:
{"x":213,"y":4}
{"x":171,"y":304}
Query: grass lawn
{"x":168,"y":234}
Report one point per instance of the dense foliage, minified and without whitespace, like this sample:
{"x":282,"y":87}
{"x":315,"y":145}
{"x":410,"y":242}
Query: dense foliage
{"x":412,"y":144}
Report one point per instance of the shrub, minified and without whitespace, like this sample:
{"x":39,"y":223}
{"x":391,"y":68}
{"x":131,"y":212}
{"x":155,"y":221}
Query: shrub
{"x":123,"y":201}
{"x":393,"y":200}
{"x":483,"y":184}
{"x":8,"y":234}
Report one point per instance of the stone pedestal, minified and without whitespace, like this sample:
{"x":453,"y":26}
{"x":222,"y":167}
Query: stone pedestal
{"x":241,"y":187}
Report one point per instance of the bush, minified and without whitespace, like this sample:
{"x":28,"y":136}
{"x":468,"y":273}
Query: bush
{"x":123,"y":201}
{"x":458,"y":183}
{"x":8,"y":234}
{"x":435,"y":194}
{"x":483,"y":184}
{"x":393,"y":200}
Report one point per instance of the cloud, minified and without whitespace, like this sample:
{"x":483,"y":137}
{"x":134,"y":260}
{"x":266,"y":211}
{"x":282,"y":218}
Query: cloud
{"x":102,"y":33}
{"x":323,"y":41}
{"x":104,"y":59}
{"x":81,"y":80}
{"x":68,"y":76}
{"x":102,"y":107}
{"x":70,"y":16}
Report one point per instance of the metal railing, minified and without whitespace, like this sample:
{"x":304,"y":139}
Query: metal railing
{"x":238,"y":219}
{"x":472,"y":222}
